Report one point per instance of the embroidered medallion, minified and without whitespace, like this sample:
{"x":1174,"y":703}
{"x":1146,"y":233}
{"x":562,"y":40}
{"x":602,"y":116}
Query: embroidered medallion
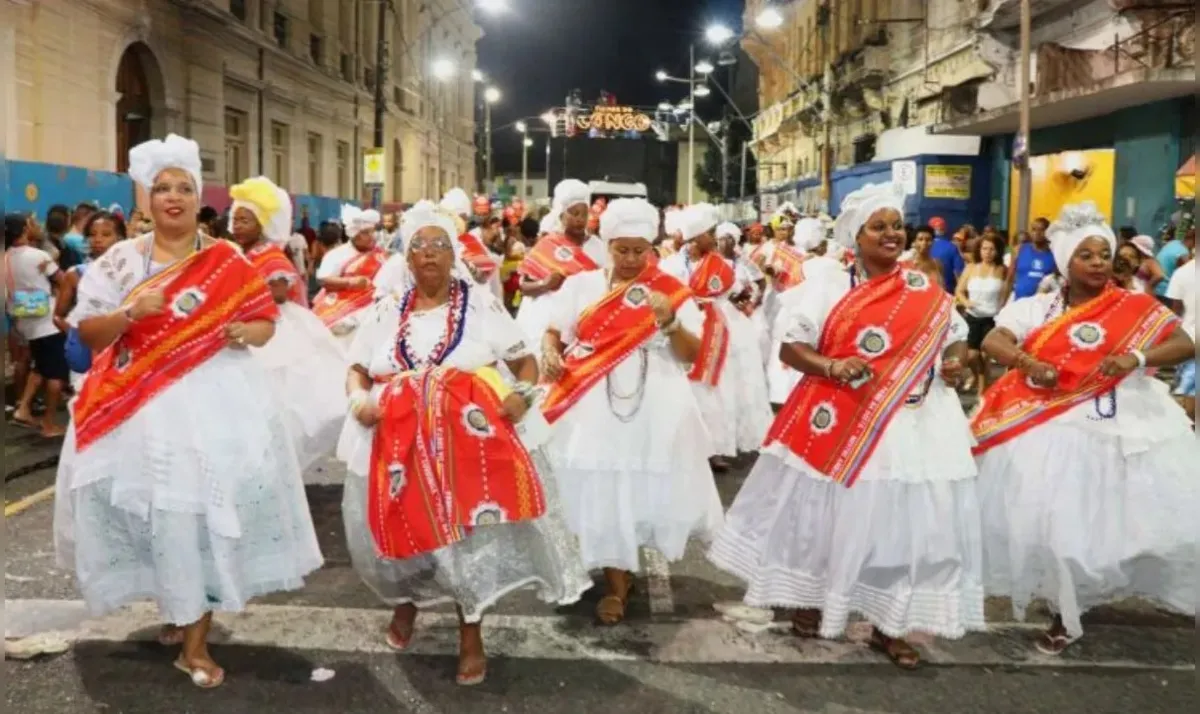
{"x":823,"y":419}
{"x":636,"y":295}
{"x":714,"y":284}
{"x":1087,"y":336}
{"x":397,"y":477}
{"x":476,"y":421}
{"x":872,"y":342}
{"x":187,"y":302}
{"x":915,"y":280}
{"x":563,"y":254}
{"x":488,"y":514}
{"x":330,"y":299}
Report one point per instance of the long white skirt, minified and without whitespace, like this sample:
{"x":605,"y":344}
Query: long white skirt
{"x":1071,"y":518}
{"x":736,"y":412}
{"x":533,"y":317}
{"x":476,"y":572}
{"x":643,"y":482}
{"x":125,"y":516}
{"x":307,"y":368}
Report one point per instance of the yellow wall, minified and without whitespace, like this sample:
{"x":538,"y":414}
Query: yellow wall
{"x":1054,"y":185}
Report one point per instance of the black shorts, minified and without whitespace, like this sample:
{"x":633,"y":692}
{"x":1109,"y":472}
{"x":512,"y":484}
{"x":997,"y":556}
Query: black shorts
{"x":49,"y":355}
{"x":977,"y":329}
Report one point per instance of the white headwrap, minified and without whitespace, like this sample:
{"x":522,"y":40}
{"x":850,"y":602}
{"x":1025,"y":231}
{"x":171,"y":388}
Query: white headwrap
{"x":424,"y":214}
{"x":551,"y":223}
{"x":1076,"y":223}
{"x":728,"y":230}
{"x":271,"y":205}
{"x":456,"y":202}
{"x":569,"y":192}
{"x":149,"y":159}
{"x":629,"y":218}
{"x":858,"y":206}
{"x":698,"y":219}
{"x":673,"y":222}
{"x":355,"y":220}
{"x":809,"y":234}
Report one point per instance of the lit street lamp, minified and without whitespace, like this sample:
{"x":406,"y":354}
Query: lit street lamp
{"x":443,"y":68}
{"x":704,"y":67}
{"x":696,"y":88}
{"x":718,"y":34}
{"x":703,"y":91}
{"x":526,"y":142}
{"x":769,"y":19}
{"x":476,"y":76}
{"x":492,"y":7}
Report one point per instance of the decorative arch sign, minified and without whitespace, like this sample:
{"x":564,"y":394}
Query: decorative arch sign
{"x":605,"y":118}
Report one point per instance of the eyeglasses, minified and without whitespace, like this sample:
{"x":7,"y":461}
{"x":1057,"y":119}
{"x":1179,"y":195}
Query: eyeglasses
{"x":430,"y":245}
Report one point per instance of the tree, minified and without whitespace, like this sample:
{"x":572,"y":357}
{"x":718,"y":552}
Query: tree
{"x":708,"y":174}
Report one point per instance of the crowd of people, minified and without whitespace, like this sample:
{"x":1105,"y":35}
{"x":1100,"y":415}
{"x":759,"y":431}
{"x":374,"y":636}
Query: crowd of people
{"x":520,"y":403}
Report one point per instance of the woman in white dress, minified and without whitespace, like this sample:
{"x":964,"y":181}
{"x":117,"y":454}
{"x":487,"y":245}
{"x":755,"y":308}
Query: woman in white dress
{"x":864,"y":497}
{"x":427,"y":425}
{"x":626,"y":423}
{"x":305,"y":361}
{"x":347,"y":275}
{"x":177,"y":481}
{"x":1087,"y":472}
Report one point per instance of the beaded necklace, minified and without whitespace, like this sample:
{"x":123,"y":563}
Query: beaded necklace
{"x":452,"y":333}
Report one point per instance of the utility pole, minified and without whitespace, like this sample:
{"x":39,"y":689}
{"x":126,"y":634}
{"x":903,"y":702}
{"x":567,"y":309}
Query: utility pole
{"x":725,"y":163}
{"x":691,"y":123}
{"x":487,"y":133}
{"x":745,"y":151}
{"x":380,"y":82}
{"x":526,"y":142}
{"x":1021,"y":149}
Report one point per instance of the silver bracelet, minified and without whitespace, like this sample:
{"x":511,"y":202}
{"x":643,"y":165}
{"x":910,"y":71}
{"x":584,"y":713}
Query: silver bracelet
{"x":1140,"y":357}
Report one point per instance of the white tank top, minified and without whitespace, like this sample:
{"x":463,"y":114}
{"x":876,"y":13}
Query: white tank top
{"x":984,"y":294}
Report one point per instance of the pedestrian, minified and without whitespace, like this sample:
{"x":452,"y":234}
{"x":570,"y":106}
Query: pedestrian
{"x":1086,"y":464}
{"x":947,"y":252}
{"x":1032,"y":263}
{"x":346,"y":274}
{"x":177,"y":481}
{"x":101,"y":232}
{"x":979,"y":295}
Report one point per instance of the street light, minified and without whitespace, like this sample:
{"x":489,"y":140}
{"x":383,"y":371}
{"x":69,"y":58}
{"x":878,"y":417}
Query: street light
{"x":703,"y":91}
{"x":718,"y":34}
{"x":704,"y":67}
{"x":491,"y":95}
{"x":769,"y":19}
{"x":492,"y":7}
{"x":443,"y":68}
{"x":476,"y":76}
{"x":548,"y":117}
{"x":521,"y":127}
{"x":665,"y":106}
{"x":528,"y":143}
{"x":661,"y":76}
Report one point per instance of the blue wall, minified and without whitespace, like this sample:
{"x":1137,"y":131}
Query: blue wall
{"x":918,"y":209}
{"x":34,"y":188}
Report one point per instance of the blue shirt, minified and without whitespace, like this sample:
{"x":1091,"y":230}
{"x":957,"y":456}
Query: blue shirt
{"x":1168,"y":257}
{"x":1030,"y":266}
{"x":945,"y":252}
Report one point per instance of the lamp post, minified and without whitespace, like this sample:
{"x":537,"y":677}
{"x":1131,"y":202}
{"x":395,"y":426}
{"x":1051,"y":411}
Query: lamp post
{"x":491,"y":95}
{"x":526,"y":142}
{"x":693,"y":93}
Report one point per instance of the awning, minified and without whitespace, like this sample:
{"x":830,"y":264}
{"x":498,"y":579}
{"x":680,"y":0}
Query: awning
{"x":1185,"y":179}
{"x":1129,"y":89}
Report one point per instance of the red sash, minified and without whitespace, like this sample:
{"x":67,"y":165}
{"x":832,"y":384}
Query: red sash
{"x":476,"y":255}
{"x":758,"y":254}
{"x":895,"y":322}
{"x":712,"y":278}
{"x":444,"y":461}
{"x":789,"y":266}
{"x":273,"y":264}
{"x":608,"y":331}
{"x":333,"y":306}
{"x":204,"y":292}
{"x":1074,"y":343}
{"x":555,"y":254}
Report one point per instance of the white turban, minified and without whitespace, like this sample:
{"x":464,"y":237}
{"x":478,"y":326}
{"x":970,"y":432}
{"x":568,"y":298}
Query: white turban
{"x":355,"y":220}
{"x":424,"y":214}
{"x":809,"y":234}
{"x":456,"y":202}
{"x":271,"y":205}
{"x":551,"y":223}
{"x":1076,"y":223}
{"x":858,"y":207}
{"x":629,"y":218}
{"x":698,"y":219}
{"x":673,"y":222}
{"x":728,"y":230}
{"x":569,"y":192}
{"x":149,"y":159}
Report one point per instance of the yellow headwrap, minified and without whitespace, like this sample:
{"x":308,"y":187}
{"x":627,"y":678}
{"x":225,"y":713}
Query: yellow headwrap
{"x":260,"y":196}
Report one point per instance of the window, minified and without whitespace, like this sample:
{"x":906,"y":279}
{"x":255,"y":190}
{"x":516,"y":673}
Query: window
{"x":369,"y":77}
{"x":343,"y":169}
{"x":314,"y":164}
{"x":279,"y":153}
{"x":316,"y":49}
{"x":347,"y":66}
{"x":280,"y":29}
{"x":236,"y":153}
{"x":238,"y":9}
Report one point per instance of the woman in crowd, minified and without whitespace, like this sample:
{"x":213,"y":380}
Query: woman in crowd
{"x":864,"y":497}
{"x":618,"y":350}
{"x":1086,"y":466}
{"x":346,"y":274}
{"x":101,"y":232}
{"x":304,"y":360}
{"x":1134,"y":265}
{"x":979,"y":294}
{"x":427,"y":424}
{"x":177,"y":481}
{"x":919,"y":257}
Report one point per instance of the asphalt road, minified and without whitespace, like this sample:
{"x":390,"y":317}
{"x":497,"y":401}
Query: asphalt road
{"x":676,"y":653}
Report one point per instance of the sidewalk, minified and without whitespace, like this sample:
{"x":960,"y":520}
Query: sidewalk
{"x":25,"y":450}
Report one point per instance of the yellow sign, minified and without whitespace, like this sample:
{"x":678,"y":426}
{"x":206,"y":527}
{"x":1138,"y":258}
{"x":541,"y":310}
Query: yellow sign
{"x":605,"y":118}
{"x":373,"y":167}
{"x":1057,"y":180}
{"x":943,"y":181}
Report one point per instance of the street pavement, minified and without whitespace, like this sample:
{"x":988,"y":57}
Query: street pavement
{"x":676,"y":653}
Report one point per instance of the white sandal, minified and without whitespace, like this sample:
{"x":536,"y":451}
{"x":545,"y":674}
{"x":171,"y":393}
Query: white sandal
{"x":199,"y":676}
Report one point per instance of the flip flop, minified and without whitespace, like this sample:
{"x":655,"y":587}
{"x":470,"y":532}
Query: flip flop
{"x":471,"y":680}
{"x":200,"y":677}
{"x":1053,"y":645}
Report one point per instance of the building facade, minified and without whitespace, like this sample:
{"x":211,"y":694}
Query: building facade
{"x":282,"y":88}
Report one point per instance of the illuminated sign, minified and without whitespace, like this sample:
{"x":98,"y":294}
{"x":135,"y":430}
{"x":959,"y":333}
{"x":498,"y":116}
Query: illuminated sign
{"x":605,"y":118}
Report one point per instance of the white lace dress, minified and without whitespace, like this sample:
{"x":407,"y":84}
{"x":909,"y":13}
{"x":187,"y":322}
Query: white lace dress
{"x":629,"y":470}
{"x":494,"y":561}
{"x":195,"y":501}
{"x":736,"y":412}
{"x":1098,"y":503}
{"x":331,"y":267}
{"x":901,"y":546}
{"x":781,"y":379}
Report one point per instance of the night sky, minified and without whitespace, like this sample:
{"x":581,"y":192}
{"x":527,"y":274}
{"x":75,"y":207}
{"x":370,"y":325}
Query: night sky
{"x":541,"y":49}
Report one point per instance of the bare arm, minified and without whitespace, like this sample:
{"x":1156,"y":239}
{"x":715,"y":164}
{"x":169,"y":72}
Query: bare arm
{"x":525,"y":369}
{"x":1176,"y":349}
{"x":357,"y":379}
{"x":101,"y":331}
{"x":684,"y":345}
{"x":960,"y":292}
{"x":537,"y":288}
{"x":258,"y":332}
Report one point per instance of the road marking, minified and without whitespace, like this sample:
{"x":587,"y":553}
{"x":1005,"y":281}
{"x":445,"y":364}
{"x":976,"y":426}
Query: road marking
{"x":15,"y":507}
{"x":555,"y":637}
{"x":658,"y":582}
